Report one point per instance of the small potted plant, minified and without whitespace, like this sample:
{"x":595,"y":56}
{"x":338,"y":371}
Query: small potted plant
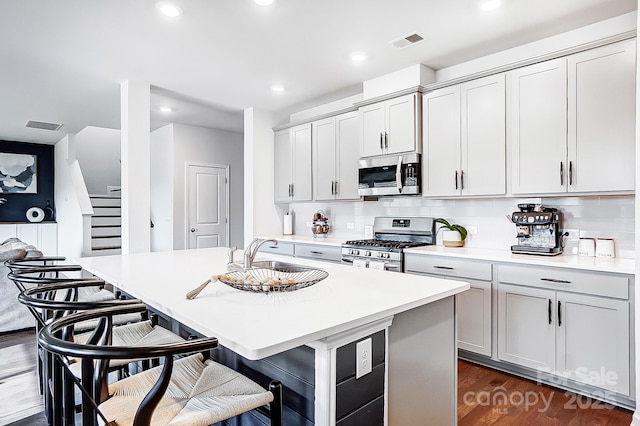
{"x":454,"y":235}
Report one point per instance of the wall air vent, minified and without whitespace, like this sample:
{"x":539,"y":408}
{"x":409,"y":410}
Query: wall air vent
{"x":406,"y":41}
{"x":42,"y":125}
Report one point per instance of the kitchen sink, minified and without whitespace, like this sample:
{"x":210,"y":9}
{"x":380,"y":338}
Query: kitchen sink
{"x":279,"y":266}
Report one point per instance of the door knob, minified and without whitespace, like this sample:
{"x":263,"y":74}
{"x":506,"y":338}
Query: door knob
{"x":193,"y":229}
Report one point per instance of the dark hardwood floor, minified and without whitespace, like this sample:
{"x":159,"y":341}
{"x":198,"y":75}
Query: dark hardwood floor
{"x":490,"y":397}
{"x":485,"y":396}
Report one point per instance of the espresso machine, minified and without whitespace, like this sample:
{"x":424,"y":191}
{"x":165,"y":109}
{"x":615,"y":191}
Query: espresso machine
{"x":538,"y":230}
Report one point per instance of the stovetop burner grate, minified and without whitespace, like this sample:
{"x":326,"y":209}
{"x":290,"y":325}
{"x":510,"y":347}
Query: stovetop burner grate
{"x":389,"y":244}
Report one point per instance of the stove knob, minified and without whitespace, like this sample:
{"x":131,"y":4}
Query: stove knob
{"x":530,"y":219}
{"x":380,"y":254}
{"x":367,"y":253}
{"x":356,"y":252}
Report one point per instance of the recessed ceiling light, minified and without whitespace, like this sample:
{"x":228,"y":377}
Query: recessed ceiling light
{"x":165,"y":108}
{"x":358,"y":56}
{"x":490,"y":5}
{"x":263,"y":2}
{"x":277,"y":89}
{"x":169,"y":9}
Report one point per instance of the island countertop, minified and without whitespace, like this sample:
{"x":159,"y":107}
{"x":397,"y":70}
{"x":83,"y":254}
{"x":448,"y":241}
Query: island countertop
{"x":257,"y":325}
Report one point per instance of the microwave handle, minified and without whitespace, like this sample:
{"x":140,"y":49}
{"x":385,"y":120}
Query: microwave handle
{"x":399,"y":174}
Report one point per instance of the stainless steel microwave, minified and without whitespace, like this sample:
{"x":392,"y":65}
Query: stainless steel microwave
{"x":389,"y":175}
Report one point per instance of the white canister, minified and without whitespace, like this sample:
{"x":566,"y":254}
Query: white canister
{"x":287,"y":227}
{"x":605,"y":248}
{"x":587,"y":247}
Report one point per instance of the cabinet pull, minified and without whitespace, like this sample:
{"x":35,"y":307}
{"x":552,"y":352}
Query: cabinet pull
{"x":316,"y":252}
{"x":449,"y":268}
{"x":554,"y":280}
{"x":381,"y":141}
{"x":462,"y":179}
{"x":456,"y":180}
{"x":292,"y":190}
{"x":570,"y":172}
{"x":274,"y":247}
{"x":561,"y":174}
{"x":336,"y":187}
{"x":333,"y":183}
{"x":550,"y":308}
{"x":386,"y":140}
{"x":559,"y":313}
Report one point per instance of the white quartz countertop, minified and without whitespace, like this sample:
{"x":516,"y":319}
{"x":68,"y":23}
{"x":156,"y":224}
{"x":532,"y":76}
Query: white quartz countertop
{"x":310,"y":239}
{"x":257,"y":325}
{"x":619,"y":266}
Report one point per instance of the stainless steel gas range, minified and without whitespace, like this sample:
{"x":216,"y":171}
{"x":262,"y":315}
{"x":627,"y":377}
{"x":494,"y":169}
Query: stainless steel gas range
{"x":391,"y":236}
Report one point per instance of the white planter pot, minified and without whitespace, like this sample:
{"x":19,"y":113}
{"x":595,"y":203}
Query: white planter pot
{"x":452,"y":239}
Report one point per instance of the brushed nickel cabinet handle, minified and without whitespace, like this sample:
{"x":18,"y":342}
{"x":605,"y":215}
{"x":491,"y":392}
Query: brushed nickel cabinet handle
{"x":462,"y":179}
{"x":449,"y":268}
{"x":550,"y":309}
{"x":570,"y":172}
{"x":561,"y":173}
{"x":381,"y":141}
{"x":555,"y":280}
{"x":456,"y":180}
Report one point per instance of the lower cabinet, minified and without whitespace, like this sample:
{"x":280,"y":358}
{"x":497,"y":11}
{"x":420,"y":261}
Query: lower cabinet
{"x":43,"y":236}
{"x":556,"y":328}
{"x":324,"y":252}
{"x":473,"y":307}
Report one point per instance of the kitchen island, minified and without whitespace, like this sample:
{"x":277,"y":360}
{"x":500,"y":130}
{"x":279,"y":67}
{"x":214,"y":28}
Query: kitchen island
{"x":414,"y":315}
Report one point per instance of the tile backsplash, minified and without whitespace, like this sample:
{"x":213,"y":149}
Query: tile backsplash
{"x":596,"y":216}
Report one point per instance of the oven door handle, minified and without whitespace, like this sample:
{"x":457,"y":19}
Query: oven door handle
{"x":399,"y":174}
{"x":347,"y":260}
{"x":392,"y":267}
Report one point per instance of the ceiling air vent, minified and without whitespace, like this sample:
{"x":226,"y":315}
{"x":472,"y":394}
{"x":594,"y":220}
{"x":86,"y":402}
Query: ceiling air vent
{"x":406,"y":41}
{"x":42,"y":125}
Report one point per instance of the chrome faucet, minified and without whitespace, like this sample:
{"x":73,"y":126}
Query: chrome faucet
{"x":252,"y":249}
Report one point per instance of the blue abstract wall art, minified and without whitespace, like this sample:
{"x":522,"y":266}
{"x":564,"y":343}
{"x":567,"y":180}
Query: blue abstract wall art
{"x":18,"y":173}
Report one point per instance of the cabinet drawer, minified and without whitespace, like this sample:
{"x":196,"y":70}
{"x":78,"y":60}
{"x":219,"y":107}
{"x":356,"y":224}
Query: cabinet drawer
{"x":282,"y":247}
{"x":599,"y":284}
{"x":446,"y":266}
{"x":319,"y":252}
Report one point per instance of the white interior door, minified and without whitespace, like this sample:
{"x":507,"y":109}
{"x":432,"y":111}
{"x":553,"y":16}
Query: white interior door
{"x":208,"y":206}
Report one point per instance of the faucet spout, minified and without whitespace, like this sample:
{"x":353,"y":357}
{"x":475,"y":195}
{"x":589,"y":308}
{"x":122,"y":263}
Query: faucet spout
{"x":252,"y":249}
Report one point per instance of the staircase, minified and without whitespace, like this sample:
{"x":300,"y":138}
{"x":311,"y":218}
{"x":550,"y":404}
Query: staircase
{"x":106,"y":232}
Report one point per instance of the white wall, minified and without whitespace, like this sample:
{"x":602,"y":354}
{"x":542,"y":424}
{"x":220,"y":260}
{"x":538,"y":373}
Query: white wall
{"x":207,"y":146}
{"x":68,"y":212}
{"x":262,"y":216}
{"x":162,"y":188}
{"x":98,"y":152}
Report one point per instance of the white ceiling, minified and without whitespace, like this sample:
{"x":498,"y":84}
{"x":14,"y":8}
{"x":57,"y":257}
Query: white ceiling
{"x":63,"y":61}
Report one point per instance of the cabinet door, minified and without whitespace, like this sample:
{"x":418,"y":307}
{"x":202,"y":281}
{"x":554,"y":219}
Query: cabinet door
{"x":324,"y":158}
{"x":538,"y":127}
{"x":7,"y":231}
{"x":347,"y":158}
{"x":301,"y":140}
{"x":602,"y":118}
{"x":48,"y":238}
{"x":483,"y":149}
{"x":526,"y":326}
{"x":473,"y":309}
{"x":28,"y":233}
{"x":372,"y":128}
{"x":593,"y":341}
{"x":400,"y":119}
{"x":283,"y":166}
{"x":441,"y":127}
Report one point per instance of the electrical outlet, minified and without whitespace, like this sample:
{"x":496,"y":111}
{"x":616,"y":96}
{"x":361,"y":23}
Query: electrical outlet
{"x":363,"y":358}
{"x":309,"y":224}
{"x":471,"y":229}
{"x":574,"y":234}
{"x":350,"y":225}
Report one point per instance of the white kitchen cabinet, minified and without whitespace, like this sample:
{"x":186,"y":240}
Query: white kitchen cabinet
{"x":7,"y":230}
{"x":570,"y":324}
{"x":43,"y":236}
{"x":324,"y":252}
{"x":538,"y":127}
{"x":464,"y":139}
{"x":390,"y":127}
{"x":572,"y":122}
{"x":473,"y":307}
{"x":601,"y":117}
{"x":293,"y":164}
{"x":335,"y":157}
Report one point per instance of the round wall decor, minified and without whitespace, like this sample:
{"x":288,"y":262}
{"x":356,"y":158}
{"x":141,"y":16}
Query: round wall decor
{"x":35,"y":214}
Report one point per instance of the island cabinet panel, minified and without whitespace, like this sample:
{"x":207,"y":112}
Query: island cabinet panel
{"x":283,"y":247}
{"x":319,"y":252}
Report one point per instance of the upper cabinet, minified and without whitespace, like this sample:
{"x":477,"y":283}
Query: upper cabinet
{"x":464,"y":139}
{"x":335,"y":157}
{"x":293,"y":164}
{"x":572,"y":122}
{"x":390,"y":127}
